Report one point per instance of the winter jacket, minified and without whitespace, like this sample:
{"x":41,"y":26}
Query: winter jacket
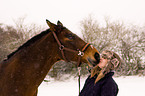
{"x":104,"y":87}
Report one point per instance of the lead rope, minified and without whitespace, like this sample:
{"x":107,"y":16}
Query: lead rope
{"x":81,"y":53}
{"x":79,"y":80}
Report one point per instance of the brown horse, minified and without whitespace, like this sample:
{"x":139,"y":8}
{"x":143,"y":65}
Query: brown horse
{"x":24,"y":70}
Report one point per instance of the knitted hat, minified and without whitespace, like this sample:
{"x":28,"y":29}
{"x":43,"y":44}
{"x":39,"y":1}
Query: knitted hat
{"x":113,"y":63}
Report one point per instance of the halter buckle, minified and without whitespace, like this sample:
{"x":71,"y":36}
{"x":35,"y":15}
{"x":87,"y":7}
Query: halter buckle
{"x":81,"y":53}
{"x":61,"y":47}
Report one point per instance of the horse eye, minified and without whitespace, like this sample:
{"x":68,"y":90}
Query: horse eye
{"x":70,"y":36}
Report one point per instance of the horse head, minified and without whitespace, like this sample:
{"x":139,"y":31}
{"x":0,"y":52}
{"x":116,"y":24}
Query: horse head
{"x":71,"y":45}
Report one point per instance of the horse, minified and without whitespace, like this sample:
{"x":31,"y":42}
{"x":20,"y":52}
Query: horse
{"x":24,"y":69}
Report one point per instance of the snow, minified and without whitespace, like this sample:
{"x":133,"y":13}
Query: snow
{"x":128,"y":86}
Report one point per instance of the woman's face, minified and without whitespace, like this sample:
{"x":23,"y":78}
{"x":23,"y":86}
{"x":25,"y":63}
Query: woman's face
{"x":102,"y":62}
{"x":106,"y":55}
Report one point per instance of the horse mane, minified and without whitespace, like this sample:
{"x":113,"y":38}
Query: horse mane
{"x":29,"y":42}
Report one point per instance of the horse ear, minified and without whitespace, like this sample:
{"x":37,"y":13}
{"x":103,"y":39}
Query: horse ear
{"x":59,"y":23}
{"x":51,"y":25}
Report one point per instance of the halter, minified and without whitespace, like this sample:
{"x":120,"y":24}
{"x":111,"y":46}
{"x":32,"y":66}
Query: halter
{"x":80,"y":53}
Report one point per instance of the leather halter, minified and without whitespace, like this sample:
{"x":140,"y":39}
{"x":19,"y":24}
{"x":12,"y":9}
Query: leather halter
{"x":80,"y":54}
{"x":62,"y":48}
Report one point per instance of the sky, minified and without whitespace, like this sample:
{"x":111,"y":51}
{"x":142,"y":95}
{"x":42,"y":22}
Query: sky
{"x":71,"y":12}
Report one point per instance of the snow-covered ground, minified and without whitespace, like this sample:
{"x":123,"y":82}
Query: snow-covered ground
{"x":128,"y":86}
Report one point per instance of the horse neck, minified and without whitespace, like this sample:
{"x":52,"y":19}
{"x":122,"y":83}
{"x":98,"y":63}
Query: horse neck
{"x":42,"y":56}
{"x":30,"y":65}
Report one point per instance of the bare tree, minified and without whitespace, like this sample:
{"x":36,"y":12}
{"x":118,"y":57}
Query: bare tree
{"x":128,"y":41}
{"x":11,"y":37}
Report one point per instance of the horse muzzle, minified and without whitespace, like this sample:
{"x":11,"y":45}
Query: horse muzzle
{"x":95,"y":61}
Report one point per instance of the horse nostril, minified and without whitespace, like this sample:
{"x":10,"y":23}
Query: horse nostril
{"x":97,"y":57}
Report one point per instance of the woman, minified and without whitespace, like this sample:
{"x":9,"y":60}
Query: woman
{"x":100,"y":82}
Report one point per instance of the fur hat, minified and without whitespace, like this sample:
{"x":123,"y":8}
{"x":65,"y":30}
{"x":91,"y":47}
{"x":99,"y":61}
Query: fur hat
{"x":113,"y":63}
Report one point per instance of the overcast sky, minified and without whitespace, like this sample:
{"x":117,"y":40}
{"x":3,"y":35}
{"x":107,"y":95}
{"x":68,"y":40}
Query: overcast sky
{"x":71,"y":12}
